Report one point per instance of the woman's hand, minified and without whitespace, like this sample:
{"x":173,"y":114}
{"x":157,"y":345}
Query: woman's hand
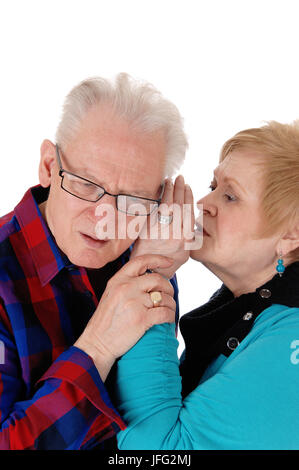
{"x":169,"y":239}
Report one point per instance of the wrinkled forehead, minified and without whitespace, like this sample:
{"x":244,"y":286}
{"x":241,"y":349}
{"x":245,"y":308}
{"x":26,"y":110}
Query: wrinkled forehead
{"x":106,"y":150}
{"x":246,"y":167}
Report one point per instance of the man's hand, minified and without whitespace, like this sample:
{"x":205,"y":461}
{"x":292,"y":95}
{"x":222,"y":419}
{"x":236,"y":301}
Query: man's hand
{"x":126,"y":311}
{"x":170,"y":240}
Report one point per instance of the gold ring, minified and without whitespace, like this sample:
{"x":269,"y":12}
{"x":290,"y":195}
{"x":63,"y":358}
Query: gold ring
{"x":156,"y":298}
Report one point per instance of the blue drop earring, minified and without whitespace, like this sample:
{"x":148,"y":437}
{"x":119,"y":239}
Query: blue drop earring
{"x":280,"y":267}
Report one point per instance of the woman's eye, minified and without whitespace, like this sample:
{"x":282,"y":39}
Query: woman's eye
{"x":229,"y":197}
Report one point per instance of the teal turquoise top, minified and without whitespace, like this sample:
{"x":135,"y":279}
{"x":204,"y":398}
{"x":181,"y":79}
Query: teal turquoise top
{"x":247,"y":399}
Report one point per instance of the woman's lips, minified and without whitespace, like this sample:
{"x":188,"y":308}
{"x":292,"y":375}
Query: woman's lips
{"x":200,"y":229}
{"x":92,"y":241}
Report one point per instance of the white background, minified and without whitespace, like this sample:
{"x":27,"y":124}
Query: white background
{"x":227,"y":64}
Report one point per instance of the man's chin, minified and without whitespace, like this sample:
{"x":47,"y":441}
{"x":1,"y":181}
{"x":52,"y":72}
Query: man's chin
{"x":96,"y":258}
{"x":89,"y":262}
{"x":90,"y":258}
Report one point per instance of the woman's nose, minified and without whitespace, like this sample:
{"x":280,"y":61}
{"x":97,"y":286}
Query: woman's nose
{"x":199,"y":204}
{"x":207,"y":206}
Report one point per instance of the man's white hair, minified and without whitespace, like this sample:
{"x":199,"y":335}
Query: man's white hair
{"x":139,"y":103}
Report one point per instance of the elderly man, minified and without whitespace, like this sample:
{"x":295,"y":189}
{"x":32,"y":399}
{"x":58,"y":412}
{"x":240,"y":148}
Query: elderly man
{"x":62,"y":324}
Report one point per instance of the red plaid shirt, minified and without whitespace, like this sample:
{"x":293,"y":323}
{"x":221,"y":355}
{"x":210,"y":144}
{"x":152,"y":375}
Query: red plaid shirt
{"x":51,"y":394}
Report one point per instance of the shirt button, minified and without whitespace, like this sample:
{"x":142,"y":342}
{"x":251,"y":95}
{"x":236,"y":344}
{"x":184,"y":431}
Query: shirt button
{"x":247,"y":316}
{"x":232,"y":343}
{"x":265,"y":293}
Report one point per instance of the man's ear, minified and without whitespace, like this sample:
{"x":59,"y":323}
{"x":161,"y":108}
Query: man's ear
{"x":289,"y":242}
{"x":47,"y":162}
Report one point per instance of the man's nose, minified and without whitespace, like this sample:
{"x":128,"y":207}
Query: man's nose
{"x":105,"y":218}
{"x":105,"y":207}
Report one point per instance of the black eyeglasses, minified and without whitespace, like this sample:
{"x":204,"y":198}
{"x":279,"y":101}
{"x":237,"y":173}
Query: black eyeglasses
{"x":84,"y":189}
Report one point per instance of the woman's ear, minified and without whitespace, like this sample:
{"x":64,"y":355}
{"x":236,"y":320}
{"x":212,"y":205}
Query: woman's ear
{"x":289,"y":242}
{"x":47,"y":162}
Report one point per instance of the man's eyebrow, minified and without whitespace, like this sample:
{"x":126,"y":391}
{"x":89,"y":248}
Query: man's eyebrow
{"x":88,"y":176}
{"x":92,"y":179}
{"x":228,"y":179}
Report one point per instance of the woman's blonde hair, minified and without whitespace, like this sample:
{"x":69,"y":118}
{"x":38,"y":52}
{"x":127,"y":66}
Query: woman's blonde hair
{"x":279,"y":145}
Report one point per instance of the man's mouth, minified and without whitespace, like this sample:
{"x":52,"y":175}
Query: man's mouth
{"x":91,"y":240}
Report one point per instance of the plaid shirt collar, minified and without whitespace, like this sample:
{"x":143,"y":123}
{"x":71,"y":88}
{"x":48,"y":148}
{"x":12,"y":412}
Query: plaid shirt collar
{"x":47,"y":257}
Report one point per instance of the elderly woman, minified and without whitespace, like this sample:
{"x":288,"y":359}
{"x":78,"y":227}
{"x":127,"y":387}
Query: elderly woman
{"x":236,"y":385}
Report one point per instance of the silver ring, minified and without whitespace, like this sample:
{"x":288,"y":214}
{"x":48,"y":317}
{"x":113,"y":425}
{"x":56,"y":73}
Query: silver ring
{"x":165,"y":219}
